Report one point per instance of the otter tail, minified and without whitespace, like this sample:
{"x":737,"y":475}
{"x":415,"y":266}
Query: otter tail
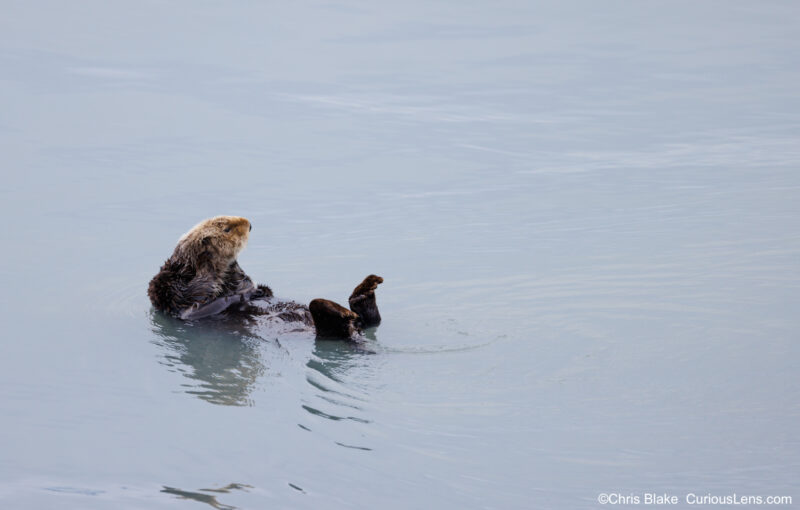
{"x":332,"y":320}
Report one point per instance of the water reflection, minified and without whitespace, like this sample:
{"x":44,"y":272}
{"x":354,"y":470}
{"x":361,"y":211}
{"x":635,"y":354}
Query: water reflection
{"x":207,"y":498}
{"x":340,"y":376}
{"x":221,"y":358}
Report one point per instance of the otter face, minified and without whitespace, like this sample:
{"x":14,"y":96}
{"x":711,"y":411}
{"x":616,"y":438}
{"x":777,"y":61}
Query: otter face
{"x":229,"y":235}
{"x":221,"y":238}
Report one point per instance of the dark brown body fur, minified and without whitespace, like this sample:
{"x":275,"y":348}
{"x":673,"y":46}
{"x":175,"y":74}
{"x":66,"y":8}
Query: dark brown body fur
{"x":178,"y":286}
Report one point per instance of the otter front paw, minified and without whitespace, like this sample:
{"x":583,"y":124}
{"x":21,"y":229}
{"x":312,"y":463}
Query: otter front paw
{"x":261,"y":292}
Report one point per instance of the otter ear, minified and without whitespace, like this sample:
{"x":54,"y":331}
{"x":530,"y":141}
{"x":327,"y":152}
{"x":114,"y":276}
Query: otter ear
{"x":206,"y":241}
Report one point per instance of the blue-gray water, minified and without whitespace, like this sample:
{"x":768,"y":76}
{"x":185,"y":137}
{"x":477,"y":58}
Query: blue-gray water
{"x":587,"y":215}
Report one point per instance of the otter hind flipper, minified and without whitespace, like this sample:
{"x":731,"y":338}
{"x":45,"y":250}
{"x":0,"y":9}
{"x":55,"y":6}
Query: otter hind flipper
{"x":332,"y":320}
{"x":362,"y":301}
{"x":219,"y":305}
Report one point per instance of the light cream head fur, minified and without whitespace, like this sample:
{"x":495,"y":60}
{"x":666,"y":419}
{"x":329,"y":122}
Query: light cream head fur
{"x":216,"y":241}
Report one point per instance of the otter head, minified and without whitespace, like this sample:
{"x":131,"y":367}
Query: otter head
{"x":214,"y":243}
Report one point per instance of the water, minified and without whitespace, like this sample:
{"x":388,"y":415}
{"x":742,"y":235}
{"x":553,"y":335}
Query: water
{"x":586,"y":215}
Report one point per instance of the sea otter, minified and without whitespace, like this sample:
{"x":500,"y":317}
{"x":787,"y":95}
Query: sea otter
{"x":202,"y":278}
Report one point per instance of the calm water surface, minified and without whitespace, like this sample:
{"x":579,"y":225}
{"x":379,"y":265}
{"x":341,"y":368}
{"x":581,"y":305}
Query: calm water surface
{"x":587,"y":216}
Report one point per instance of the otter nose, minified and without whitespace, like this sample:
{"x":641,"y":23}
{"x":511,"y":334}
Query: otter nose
{"x":251,"y":227}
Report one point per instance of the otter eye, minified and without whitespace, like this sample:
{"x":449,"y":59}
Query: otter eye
{"x":227,"y":229}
